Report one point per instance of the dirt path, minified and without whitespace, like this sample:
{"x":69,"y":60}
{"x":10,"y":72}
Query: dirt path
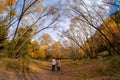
{"x":69,"y":71}
{"x":47,"y":74}
{"x":44,"y":74}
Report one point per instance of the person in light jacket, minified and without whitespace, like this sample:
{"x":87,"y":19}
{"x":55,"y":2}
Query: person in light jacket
{"x":53,"y":64}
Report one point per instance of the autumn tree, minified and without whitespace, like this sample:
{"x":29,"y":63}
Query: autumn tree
{"x":34,"y":50}
{"x":3,"y":33}
{"x":3,"y":24}
{"x":18,"y":42}
{"x":45,"y":45}
{"x":57,"y":50}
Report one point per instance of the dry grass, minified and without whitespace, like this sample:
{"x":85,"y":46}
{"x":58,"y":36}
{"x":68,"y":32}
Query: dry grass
{"x":96,"y":69}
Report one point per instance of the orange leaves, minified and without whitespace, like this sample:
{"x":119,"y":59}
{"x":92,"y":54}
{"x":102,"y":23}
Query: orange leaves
{"x":2,"y":5}
{"x":10,"y":2}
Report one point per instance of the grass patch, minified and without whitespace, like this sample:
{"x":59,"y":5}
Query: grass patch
{"x":111,"y":68}
{"x":13,"y":65}
{"x":36,"y":65}
{"x":18,"y":65}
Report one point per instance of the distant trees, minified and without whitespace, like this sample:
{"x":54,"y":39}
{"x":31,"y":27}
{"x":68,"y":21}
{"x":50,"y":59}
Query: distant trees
{"x":45,"y":45}
{"x":57,"y":50}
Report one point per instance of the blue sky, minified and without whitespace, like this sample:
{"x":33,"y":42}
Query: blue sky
{"x":114,"y":8}
{"x":49,"y":2}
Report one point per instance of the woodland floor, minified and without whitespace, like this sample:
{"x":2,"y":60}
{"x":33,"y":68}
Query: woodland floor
{"x":70,"y":70}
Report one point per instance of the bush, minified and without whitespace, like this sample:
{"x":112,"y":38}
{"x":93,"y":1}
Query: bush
{"x":16,"y":65}
{"x":112,"y":67}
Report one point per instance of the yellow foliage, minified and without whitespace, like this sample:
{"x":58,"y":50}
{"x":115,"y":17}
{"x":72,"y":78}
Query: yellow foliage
{"x":38,"y":9}
{"x":34,"y":42}
{"x":109,"y":28}
{"x":46,"y":39}
{"x":80,"y":53}
{"x":39,"y":0}
{"x":56,"y":49}
{"x":6,"y":8}
{"x":13,"y":12}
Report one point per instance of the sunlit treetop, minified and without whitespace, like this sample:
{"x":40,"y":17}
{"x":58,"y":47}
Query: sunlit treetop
{"x":5,"y":5}
{"x":10,"y":2}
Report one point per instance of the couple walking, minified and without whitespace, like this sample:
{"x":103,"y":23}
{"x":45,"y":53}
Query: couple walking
{"x":55,"y":64}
